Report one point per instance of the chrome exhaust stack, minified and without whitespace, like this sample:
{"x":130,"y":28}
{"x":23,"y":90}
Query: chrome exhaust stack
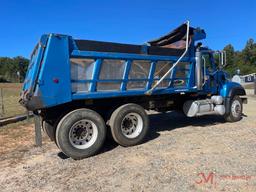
{"x":198,"y":70}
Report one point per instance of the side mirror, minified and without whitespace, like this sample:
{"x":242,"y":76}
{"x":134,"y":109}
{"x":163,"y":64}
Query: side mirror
{"x":223,"y":58}
{"x":204,"y":72}
{"x":220,"y":58}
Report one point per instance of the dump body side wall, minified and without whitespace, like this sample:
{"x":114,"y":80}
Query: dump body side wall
{"x":129,"y":75}
{"x":55,"y":82}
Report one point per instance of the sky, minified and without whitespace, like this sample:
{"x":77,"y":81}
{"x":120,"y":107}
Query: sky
{"x":124,"y":21}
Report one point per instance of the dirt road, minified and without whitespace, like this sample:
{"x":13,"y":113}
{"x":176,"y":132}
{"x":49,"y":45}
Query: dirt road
{"x":180,"y":154}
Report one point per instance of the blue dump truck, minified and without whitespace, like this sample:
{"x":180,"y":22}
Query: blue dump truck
{"x":82,"y":88}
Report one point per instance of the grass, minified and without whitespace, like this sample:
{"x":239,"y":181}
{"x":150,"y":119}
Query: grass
{"x":11,"y":96}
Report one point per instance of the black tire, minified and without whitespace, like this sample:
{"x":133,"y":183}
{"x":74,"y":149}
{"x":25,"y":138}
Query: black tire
{"x":49,"y":129}
{"x":117,"y":120}
{"x":235,"y":110}
{"x":76,"y":125}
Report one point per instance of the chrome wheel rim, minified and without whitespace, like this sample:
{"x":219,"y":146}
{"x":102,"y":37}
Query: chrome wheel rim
{"x":83,"y":134}
{"x":236,"y":108}
{"x":132,"y":125}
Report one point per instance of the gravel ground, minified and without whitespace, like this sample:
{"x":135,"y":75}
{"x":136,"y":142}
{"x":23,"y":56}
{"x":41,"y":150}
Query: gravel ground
{"x":180,"y":154}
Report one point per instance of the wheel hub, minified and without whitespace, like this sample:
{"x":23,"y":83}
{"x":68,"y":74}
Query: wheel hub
{"x":132,"y":125}
{"x":127,"y":124}
{"x":81,"y":133}
{"x":236,"y":108}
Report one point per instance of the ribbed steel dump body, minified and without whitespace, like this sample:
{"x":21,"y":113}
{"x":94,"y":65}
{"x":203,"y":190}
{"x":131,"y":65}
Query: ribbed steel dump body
{"x":63,"y":69}
{"x":111,"y":67}
{"x":111,"y":76}
{"x":119,"y":72}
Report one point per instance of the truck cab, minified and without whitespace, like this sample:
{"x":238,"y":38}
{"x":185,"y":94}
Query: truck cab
{"x":212,"y":81}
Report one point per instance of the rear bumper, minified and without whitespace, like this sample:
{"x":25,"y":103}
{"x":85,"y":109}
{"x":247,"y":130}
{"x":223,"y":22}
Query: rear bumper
{"x":31,"y":103}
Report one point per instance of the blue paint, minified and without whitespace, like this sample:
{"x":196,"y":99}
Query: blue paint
{"x":151,"y":75}
{"x":108,"y":94}
{"x":227,"y":86}
{"x":126,"y":75}
{"x":55,"y":65}
{"x":49,"y":75}
{"x":95,"y":75}
{"x":123,"y":56}
{"x":34,"y":65}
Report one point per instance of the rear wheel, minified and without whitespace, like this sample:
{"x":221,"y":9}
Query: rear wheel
{"x":235,"y":110}
{"x":129,"y":124}
{"x":81,"y":133}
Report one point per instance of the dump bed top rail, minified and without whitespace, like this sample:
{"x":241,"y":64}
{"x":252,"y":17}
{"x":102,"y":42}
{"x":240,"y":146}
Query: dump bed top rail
{"x":109,"y":47}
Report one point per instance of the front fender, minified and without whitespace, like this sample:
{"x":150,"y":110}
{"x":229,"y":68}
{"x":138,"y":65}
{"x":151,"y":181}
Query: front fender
{"x":228,"y":91}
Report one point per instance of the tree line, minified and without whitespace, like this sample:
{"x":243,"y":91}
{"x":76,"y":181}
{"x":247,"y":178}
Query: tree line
{"x":244,"y":60}
{"x":14,"y":69}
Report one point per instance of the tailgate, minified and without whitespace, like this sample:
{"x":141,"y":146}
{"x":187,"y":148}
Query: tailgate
{"x":33,"y":70}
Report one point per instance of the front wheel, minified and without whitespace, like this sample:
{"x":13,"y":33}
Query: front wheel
{"x":81,"y":133}
{"x":235,"y":110}
{"x":129,"y":124}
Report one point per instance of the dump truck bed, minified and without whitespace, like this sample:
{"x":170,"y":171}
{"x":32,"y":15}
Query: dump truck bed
{"x":64,"y":69}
